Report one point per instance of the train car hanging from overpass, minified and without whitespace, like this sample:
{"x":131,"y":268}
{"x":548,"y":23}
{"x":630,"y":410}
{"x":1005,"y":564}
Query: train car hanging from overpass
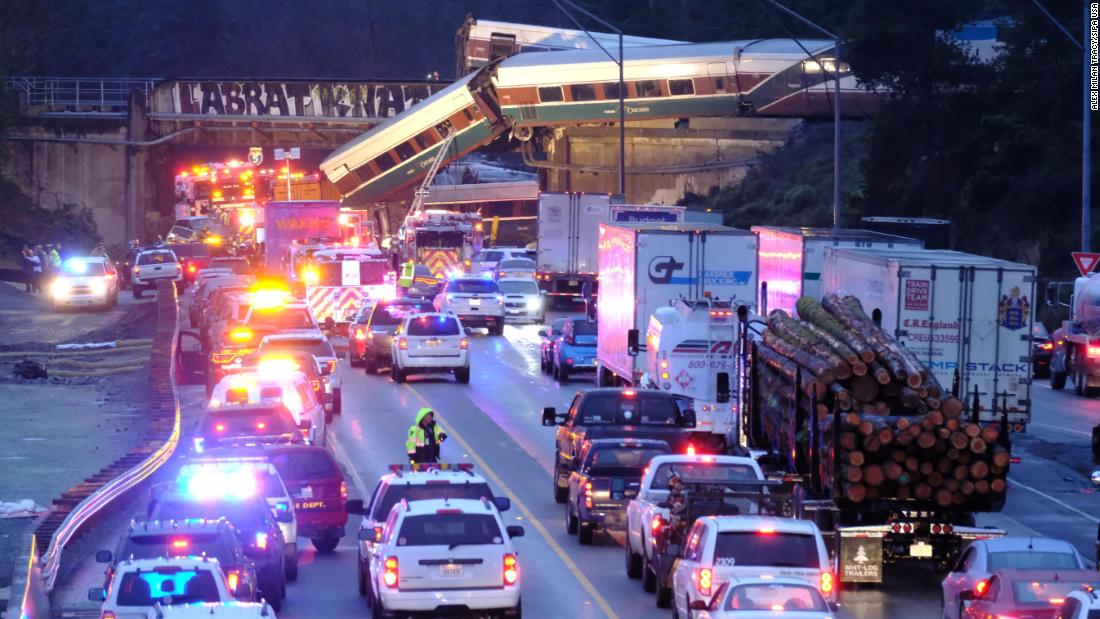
{"x":527,"y":92}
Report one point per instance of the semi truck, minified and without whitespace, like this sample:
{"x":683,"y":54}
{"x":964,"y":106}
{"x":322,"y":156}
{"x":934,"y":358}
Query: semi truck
{"x":568,"y":236}
{"x":287,"y":222}
{"x":965,"y":317}
{"x":1076,"y":353}
{"x":645,"y":267}
{"x":790,"y":260}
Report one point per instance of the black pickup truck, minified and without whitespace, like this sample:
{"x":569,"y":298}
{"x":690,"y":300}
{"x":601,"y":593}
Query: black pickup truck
{"x":616,"y":413}
{"x":608,"y":473}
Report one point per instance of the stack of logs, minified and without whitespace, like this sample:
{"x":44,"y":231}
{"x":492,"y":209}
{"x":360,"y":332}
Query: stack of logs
{"x":901,"y":435}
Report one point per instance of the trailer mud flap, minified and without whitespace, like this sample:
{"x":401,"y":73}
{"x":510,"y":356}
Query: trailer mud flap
{"x":860,"y":559}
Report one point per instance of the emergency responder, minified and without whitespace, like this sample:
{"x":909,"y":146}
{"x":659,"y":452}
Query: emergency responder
{"x":424,"y":439}
{"x":408,"y":273}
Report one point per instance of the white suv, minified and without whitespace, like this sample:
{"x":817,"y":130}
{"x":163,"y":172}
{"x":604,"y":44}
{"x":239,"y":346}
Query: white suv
{"x":446,"y":552}
{"x":140,"y":586}
{"x":153,"y":265}
{"x":522,"y":299}
{"x":318,"y":345}
{"x":476,"y":300}
{"x":430,"y":343}
{"x":289,"y":387}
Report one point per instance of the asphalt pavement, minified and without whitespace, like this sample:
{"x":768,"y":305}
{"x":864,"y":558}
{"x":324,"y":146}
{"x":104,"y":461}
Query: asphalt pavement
{"x":495,"y":422}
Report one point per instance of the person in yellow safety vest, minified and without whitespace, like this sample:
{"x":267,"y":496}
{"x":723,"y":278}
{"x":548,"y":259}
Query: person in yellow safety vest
{"x":408,"y":273}
{"x":424,"y":439}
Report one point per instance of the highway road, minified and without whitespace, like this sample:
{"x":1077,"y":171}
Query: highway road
{"x":495,"y":422}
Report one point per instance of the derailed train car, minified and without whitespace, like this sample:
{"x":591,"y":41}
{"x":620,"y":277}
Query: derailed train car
{"x":525,"y":92}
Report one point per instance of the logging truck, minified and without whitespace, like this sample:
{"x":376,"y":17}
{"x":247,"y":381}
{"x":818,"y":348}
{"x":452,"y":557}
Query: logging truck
{"x":889,"y":464}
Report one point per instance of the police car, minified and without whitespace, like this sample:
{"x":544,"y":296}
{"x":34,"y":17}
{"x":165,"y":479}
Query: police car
{"x":446,"y":555}
{"x":231,"y":610}
{"x":413,"y":482}
{"x":1083,"y":604}
{"x":139,"y":586}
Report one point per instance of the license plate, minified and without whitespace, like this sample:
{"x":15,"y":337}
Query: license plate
{"x":921,"y":550}
{"x":574,"y":282}
{"x":305,"y":492}
{"x":450,"y":570}
{"x":432,"y":343}
{"x":475,"y":302}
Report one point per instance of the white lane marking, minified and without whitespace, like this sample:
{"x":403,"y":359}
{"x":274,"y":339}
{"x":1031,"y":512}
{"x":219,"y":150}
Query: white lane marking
{"x":1061,"y":429}
{"x":342,"y":457}
{"x":1067,"y":506}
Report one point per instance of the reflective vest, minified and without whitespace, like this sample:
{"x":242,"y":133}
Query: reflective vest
{"x":408,"y":272}
{"x":419,"y":438}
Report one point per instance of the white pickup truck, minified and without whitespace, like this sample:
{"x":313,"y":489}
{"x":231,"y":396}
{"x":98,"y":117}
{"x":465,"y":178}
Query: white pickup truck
{"x":645,"y":515}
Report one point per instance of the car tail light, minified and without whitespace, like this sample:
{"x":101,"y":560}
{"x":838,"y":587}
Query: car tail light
{"x":315,"y":385}
{"x":1093,"y":352}
{"x":219,"y":427}
{"x":827,"y":583}
{"x":390,"y":575}
{"x":690,"y":450}
{"x":629,"y":393}
{"x":260,"y":425}
{"x":588,"y":495}
{"x":402,"y":343}
{"x":656,"y":524}
{"x":343,"y":491}
{"x":981,"y":587}
{"x":232,"y":579}
{"x":464,"y":343}
{"x":107,"y":615}
{"x":377,"y":534}
{"x":180,"y":544}
{"x":360,"y":334}
{"x":569,"y":362}
{"x":330,"y":365}
{"x":1047,"y":346}
{"x":511,"y":569}
{"x":703,"y":580}
{"x":261,"y":541}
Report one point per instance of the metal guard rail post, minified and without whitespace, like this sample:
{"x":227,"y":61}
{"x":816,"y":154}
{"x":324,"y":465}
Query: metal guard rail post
{"x":103,"y":497}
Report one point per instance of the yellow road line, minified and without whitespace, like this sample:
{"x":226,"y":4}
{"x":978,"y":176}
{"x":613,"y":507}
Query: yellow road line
{"x":527,"y":513}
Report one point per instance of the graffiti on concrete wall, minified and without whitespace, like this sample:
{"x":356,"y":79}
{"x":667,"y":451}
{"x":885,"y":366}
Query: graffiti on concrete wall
{"x":298,"y":99}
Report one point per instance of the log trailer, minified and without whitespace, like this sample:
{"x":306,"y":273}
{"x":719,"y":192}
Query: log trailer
{"x":889,"y":464}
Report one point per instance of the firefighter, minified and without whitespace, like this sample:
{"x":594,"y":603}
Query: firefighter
{"x":408,"y":273}
{"x":424,"y":439}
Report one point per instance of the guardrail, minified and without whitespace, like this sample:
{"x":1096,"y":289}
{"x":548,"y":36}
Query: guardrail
{"x":96,"y":96}
{"x":79,"y":508}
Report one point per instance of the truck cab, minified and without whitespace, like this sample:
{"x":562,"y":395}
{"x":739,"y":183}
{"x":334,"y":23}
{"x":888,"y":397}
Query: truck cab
{"x":692,"y":351}
{"x":616,"y":413}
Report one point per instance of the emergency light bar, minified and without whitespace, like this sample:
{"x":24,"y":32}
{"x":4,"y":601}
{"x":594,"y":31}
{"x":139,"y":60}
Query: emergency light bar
{"x":437,"y":466}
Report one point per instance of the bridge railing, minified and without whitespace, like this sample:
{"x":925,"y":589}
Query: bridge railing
{"x":78,"y":95}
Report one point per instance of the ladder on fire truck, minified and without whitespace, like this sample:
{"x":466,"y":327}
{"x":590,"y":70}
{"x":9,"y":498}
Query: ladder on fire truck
{"x":421,"y":193}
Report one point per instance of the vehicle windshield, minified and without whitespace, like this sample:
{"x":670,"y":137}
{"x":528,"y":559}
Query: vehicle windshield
{"x":420,"y":492}
{"x":174,"y":545}
{"x":239,"y":266}
{"x":332,"y":272}
{"x":618,"y":409}
{"x":764,"y":549}
{"x":1048,"y":592}
{"x":1032,"y":560}
{"x":282,"y":318}
{"x":470,"y":286}
{"x":167,"y":586}
{"x":435,"y":325}
{"x":254,"y":422}
{"x":608,"y":460}
{"x":190,"y":250}
{"x":518,"y":287}
{"x":390,"y":314}
{"x":314,"y":346}
{"x":776,"y":597}
{"x":489,"y":256}
{"x":439,"y":238}
{"x":79,"y":268}
{"x":449,"y":529}
{"x":517,"y":265}
{"x":246,"y":516}
{"x":156,"y":257}
{"x":701,"y":471}
{"x":303,"y":464}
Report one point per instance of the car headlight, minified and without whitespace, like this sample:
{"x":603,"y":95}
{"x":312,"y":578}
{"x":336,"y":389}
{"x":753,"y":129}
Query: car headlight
{"x":98,"y":286}
{"x":61,"y":289}
{"x":534,"y":304}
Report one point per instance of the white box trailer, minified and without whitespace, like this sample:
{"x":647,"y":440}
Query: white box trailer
{"x":568,"y":235}
{"x":789,"y":260}
{"x":960,"y":313}
{"x":646,"y":266}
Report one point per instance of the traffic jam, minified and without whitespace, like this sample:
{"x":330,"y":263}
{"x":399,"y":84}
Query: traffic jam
{"x":753,"y":441}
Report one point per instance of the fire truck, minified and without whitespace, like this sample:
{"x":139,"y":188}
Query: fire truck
{"x":443,"y":241}
{"x":340,"y":279}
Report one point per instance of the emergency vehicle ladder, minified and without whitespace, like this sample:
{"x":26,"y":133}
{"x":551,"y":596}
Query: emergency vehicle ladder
{"x":422,"y":192}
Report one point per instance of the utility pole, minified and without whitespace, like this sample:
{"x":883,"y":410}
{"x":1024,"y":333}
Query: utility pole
{"x":836,"y":108}
{"x":561,"y":4}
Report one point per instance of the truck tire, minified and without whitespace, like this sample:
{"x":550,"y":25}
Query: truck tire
{"x":1057,"y":380}
{"x":563,"y":374}
{"x":561,"y":495}
{"x":585,"y":533}
{"x":397,"y":375}
{"x":353,"y":361}
{"x":462,"y":375}
{"x":664,"y":595}
{"x":337,"y":401}
{"x":370,"y":365}
{"x":136,"y":291}
{"x":649,"y":576}
{"x":570,"y":522}
{"x":633,"y":561}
